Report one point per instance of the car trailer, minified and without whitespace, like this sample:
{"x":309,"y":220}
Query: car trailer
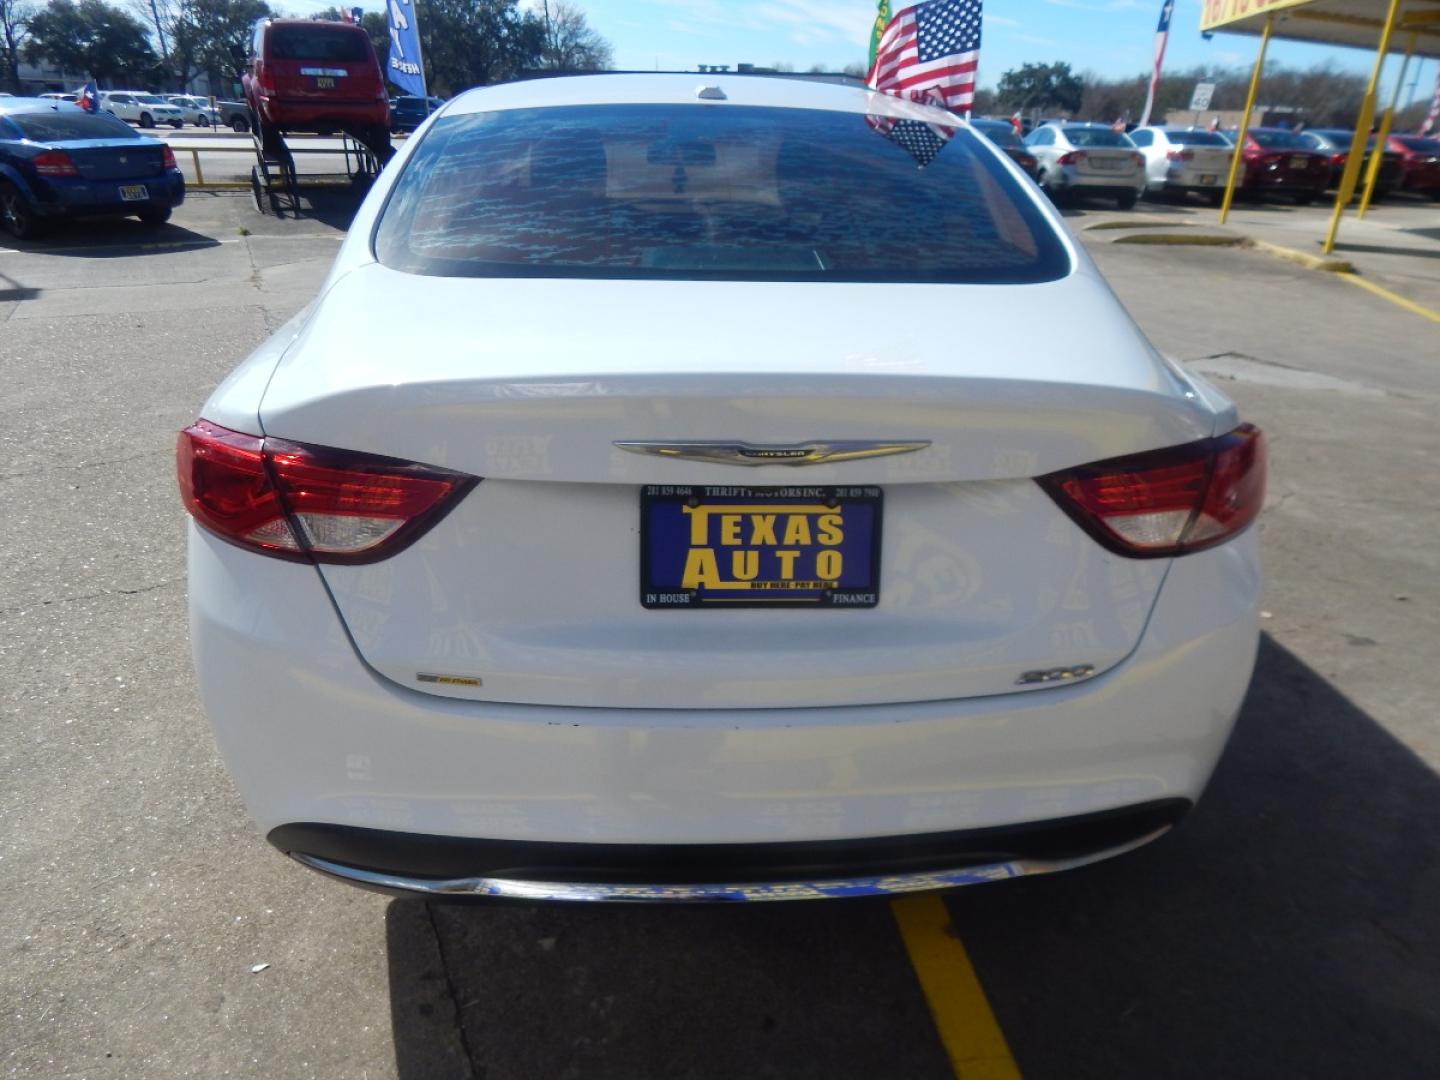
{"x":275,"y":182}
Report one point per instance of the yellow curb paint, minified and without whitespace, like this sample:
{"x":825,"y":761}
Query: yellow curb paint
{"x":1304,"y":258}
{"x":1394,"y":298}
{"x":972,"y":1039}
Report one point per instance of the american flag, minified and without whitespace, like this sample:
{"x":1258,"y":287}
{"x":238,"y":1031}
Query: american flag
{"x":929,"y":52}
{"x":1162,"y":36}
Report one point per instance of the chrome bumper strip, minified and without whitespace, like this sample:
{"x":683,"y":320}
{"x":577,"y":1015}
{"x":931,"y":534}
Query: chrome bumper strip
{"x":886,"y":885}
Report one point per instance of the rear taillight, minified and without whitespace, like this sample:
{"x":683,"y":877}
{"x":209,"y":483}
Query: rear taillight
{"x":1167,"y":502}
{"x":1073,"y":157}
{"x":54,"y":163}
{"x":1181,"y":155}
{"x":1338,"y":159}
{"x":308,"y":502}
{"x":168,"y":155}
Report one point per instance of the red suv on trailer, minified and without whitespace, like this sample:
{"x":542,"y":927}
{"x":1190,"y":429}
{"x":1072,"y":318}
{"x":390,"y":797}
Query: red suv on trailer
{"x":317,"y":76}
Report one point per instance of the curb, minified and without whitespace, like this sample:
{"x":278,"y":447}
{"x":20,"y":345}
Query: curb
{"x":1305,"y":259}
{"x":1143,"y":224}
{"x":1183,"y":240}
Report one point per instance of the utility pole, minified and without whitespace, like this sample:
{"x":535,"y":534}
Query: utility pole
{"x":159,"y":30}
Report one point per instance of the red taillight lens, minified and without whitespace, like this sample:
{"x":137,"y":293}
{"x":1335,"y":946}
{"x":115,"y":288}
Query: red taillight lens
{"x":1181,"y":155}
{"x":168,"y":155}
{"x":1167,"y":502}
{"x":294,"y":501}
{"x":54,"y":163}
{"x":1338,"y":159}
{"x":1073,"y":157}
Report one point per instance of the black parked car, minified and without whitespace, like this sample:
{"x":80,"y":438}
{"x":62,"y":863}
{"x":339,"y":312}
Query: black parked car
{"x":408,"y":113}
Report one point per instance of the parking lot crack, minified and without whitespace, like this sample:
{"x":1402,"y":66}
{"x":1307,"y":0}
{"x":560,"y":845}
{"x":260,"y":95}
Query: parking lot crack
{"x":91,"y":596}
{"x":451,"y":993}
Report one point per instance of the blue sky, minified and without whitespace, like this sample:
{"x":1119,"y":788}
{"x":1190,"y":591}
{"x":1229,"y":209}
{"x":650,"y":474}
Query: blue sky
{"x":1110,"y":37}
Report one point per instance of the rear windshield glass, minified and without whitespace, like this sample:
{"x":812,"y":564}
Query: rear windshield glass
{"x":1197,"y":138}
{"x":304,"y":43}
{"x":1080,"y":136}
{"x":1279,"y":140}
{"x":151,"y":99}
{"x":685,"y":191}
{"x":60,"y":127}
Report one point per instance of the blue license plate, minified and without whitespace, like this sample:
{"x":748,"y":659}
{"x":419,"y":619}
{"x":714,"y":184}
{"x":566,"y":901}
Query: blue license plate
{"x":759,"y":547}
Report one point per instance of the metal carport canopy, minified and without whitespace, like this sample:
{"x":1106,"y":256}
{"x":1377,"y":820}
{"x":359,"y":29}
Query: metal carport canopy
{"x":1356,"y":23}
{"x":1365,"y":24}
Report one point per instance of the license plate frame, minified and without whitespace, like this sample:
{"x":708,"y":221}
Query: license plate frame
{"x":1208,"y":180}
{"x":1299,"y":161}
{"x":324,"y":82}
{"x":134,"y":193}
{"x":668,"y":552}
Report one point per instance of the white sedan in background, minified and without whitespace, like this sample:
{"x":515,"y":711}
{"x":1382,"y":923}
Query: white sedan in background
{"x":1078,"y":160}
{"x":657,"y":504}
{"x":1181,"y":161}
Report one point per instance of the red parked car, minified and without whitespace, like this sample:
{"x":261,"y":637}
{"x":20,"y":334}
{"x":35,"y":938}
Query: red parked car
{"x":317,"y":76}
{"x":1419,"y":163}
{"x":1278,"y":160}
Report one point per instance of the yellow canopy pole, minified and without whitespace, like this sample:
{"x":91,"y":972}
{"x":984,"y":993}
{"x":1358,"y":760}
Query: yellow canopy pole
{"x":1362,"y":131}
{"x":1239,"y":153}
{"x":1372,"y":170}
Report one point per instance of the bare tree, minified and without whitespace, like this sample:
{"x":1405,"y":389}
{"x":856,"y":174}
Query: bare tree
{"x":15,"y":18}
{"x":571,"y":43}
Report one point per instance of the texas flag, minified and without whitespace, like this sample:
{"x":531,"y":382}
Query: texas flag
{"x":89,"y":98}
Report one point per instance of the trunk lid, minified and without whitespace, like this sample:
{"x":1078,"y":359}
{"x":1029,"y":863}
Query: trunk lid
{"x":1109,"y":162}
{"x":532,"y":584}
{"x":115,"y":159}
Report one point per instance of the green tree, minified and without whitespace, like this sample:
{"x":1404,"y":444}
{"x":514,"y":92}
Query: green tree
{"x":91,"y":37}
{"x":476,"y":42}
{"x":1041,"y":86}
{"x":15,"y":18}
{"x":571,"y":43}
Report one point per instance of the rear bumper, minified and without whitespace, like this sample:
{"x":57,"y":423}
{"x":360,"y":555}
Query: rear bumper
{"x":300,"y":114}
{"x":311,"y":735}
{"x":405,"y":864}
{"x":81,"y":198}
{"x":1067,"y":178}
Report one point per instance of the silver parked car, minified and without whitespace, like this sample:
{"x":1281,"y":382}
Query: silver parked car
{"x":194,"y":110}
{"x":1180,"y":160}
{"x":1087,"y":159}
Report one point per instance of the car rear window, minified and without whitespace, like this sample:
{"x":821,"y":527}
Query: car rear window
{"x":1197,"y":138}
{"x":305,"y":43}
{"x":1086,"y":136}
{"x":1418,"y":143}
{"x":1000,"y":134}
{"x":1278,"y":140}
{"x":61,"y":127}
{"x":687,"y":191}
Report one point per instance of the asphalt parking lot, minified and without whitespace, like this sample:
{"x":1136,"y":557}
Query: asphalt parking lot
{"x":1290,"y":928}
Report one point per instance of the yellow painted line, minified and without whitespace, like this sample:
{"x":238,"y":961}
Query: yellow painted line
{"x":1304,"y":258}
{"x":973,"y":1040}
{"x":1394,"y":298}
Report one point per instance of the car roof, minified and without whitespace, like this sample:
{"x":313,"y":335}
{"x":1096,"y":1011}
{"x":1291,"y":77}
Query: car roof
{"x":16,"y":105}
{"x":314,"y":24}
{"x":683,"y":88}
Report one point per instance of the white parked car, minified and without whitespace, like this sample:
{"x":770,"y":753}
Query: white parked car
{"x":656,"y":503}
{"x":60,"y":97}
{"x":146,"y":110}
{"x":1180,"y":161}
{"x":1087,"y":160}
{"x":194,"y":110}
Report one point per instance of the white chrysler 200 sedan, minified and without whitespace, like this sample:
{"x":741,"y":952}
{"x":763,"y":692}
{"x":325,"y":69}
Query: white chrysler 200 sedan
{"x":657,"y":503}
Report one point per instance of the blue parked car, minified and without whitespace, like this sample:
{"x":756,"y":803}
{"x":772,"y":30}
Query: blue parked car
{"x":58,"y":161}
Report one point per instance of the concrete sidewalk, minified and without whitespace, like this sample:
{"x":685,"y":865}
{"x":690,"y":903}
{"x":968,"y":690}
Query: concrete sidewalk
{"x":1396,"y":246}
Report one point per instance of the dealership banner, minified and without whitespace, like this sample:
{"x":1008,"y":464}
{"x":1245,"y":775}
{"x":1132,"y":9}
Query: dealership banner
{"x":406,"y":69}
